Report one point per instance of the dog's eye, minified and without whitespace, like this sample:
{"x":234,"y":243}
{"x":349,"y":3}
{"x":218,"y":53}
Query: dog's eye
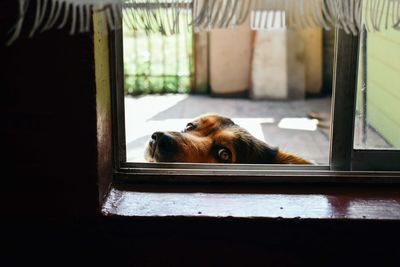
{"x":189,"y":127}
{"x":224,"y":155}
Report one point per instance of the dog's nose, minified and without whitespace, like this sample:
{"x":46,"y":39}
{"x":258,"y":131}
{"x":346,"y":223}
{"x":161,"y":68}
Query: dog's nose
{"x":166,"y":144}
{"x":156,"y":136}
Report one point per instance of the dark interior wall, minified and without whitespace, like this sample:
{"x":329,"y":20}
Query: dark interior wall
{"x":48,"y":117}
{"x":49,"y":194}
{"x":202,"y":242}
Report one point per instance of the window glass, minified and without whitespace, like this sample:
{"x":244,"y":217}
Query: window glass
{"x":276,"y":84}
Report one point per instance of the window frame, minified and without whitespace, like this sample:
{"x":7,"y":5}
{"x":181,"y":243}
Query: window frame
{"x":342,"y":155}
{"x":344,"y":78}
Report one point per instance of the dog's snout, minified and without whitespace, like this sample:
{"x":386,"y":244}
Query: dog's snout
{"x":164,"y":145}
{"x":156,"y":136}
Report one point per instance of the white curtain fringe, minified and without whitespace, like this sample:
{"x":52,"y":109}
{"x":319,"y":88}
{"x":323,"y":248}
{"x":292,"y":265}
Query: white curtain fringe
{"x":164,"y":15}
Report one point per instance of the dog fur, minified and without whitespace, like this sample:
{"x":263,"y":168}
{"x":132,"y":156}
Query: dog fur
{"x":213,"y":138}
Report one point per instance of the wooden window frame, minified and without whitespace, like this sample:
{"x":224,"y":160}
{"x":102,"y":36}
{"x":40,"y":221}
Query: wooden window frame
{"x":342,"y":155}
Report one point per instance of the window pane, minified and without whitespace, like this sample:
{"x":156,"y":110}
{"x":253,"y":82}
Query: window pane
{"x":296,"y":125}
{"x":377,"y":122}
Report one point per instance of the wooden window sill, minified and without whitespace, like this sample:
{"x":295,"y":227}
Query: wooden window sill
{"x":273,"y":202}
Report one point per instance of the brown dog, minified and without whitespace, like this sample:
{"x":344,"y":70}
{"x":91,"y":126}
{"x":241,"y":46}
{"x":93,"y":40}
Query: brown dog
{"x":215,"y":139}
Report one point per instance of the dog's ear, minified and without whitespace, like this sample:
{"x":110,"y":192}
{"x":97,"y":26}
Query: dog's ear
{"x":268,"y":154}
{"x":264,"y":154}
{"x":272,"y":155}
{"x":251,"y":150}
{"x":254,"y":151}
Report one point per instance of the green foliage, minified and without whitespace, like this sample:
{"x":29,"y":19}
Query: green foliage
{"x":157,"y":64}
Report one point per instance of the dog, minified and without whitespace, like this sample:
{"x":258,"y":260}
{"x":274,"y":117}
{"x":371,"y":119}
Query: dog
{"x":213,"y":138}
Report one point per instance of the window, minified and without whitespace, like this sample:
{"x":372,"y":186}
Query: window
{"x":344,"y":154}
{"x":366,"y":124}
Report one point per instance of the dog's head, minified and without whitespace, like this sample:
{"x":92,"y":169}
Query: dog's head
{"x":214,"y":139}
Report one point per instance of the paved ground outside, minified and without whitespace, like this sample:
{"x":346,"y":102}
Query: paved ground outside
{"x":284,"y":124}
